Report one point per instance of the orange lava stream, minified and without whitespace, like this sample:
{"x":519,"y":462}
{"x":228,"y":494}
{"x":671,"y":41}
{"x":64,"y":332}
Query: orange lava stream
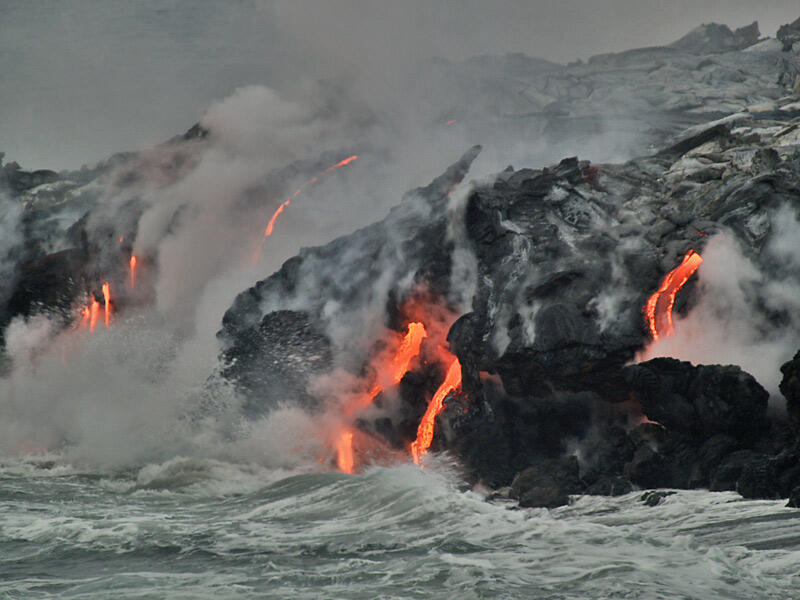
{"x":426,"y":426}
{"x":658,"y":310}
{"x":107,"y":301}
{"x":409,"y":348}
{"x":398,"y":366}
{"x":344,"y":452}
{"x":133,"y":271}
{"x":94,"y":310}
{"x":282,"y":207}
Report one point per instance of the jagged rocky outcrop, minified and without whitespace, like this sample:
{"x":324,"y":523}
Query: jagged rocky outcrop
{"x":565,"y":257}
{"x":789,"y":35}
{"x":712,"y":38}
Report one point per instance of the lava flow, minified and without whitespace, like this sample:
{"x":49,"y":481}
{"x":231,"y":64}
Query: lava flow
{"x":344,"y":452}
{"x":133,"y":271}
{"x":107,"y":301}
{"x":94,"y":310}
{"x":426,"y":426}
{"x":280,"y":209}
{"x":389,"y":375}
{"x":405,"y":353}
{"x":658,"y":310}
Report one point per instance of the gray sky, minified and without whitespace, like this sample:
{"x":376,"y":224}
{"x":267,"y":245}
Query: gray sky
{"x":80,"y":80}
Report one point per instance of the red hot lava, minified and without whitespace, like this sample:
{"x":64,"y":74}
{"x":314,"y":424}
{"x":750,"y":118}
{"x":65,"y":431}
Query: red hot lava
{"x":389,"y":374}
{"x":658,"y":310}
{"x":107,"y":301}
{"x":282,"y":207}
{"x":392,"y":374}
{"x":133,"y":271}
{"x":344,"y":452}
{"x":392,"y":366}
{"x":94,"y":310}
{"x":452,"y":381}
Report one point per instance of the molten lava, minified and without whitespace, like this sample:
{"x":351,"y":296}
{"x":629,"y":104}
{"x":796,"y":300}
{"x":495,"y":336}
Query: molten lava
{"x":658,"y":310}
{"x":344,"y":452}
{"x":94,"y":310}
{"x":409,"y":348}
{"x":390,"y":374}
{"x":393,"y":373}
{"x":107,"y":301}
{"x":426,"y":426}
{"x":133,"y":271}
{"x":341,"y":163}
{"x":282,"y":207}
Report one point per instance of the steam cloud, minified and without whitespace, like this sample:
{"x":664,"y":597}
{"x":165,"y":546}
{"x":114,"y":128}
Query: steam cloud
{"x":743,"y":316}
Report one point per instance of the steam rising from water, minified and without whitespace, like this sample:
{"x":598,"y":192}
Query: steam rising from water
{"x":743,"y":316}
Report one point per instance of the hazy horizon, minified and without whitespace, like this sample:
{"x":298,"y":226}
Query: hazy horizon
{"x":81,"y":81}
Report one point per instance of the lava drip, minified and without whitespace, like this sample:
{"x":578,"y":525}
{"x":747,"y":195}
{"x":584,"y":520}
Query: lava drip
{"x":94,"y":311}
{"x":658,"y":310}
{"x":107,"y":301}
{"x":297,"y":192}
{"x":344,"y":452}
{"x":133,"y":271}
{"x":452,"y":381}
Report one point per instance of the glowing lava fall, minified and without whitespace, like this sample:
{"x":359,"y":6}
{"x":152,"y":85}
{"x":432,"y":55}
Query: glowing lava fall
{"x":133,"y":271}
{"x":107,"y":302}
{"x":392,"y":374}
{"x":426,"y":426}
{"x":398,"y":366}
{"x":658,"y":310}
{"x":297,"y":192}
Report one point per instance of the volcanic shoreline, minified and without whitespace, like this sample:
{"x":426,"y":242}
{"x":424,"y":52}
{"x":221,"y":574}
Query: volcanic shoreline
{"x":548,"y":288}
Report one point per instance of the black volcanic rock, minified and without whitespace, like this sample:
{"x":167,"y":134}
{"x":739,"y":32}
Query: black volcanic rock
{"x":565,"y":258}
{"x":277,"y":361}
{"x":701,"y":401}
{"x":610,"y":486}
{"x":790,"y":386}
{"x":547,"y":484}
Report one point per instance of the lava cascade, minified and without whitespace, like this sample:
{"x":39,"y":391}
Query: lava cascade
{"x":107,"y":302}
{"x":344,"y":452}
{"x":389,"y":375}
{"x":94,"y":311}
{"x":297,"y":192}
{"x":452,"y":381}
{"x":133,"y":271}
{"x":658,"y":310}
{"x":392,"y":374}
